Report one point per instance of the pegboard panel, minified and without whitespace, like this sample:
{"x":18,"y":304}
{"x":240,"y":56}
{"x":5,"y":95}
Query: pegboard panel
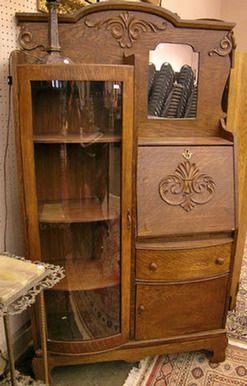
{"x":8,"y":37}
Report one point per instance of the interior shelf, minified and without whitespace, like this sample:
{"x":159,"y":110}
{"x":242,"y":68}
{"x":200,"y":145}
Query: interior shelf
{"x":82,"y":275}
{"x":98,"y":137}
{"x":72,"y":211}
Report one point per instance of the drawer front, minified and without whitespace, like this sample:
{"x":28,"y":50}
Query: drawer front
{"x":164,"y":311}
{"x":185,"y":264}
{"x":176,"y":195}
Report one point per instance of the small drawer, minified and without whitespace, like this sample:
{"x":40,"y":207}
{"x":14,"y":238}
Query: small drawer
{"x":185,"y":264}
{"x":164,"y":311}
{"x":177,"y":196}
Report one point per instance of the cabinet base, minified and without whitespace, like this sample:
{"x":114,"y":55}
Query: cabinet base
{"x":135,"y":351}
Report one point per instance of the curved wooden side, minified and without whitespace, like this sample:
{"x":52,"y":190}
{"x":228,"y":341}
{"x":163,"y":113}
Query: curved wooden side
{"x":78,"y":347}
{"x":236,"y":122}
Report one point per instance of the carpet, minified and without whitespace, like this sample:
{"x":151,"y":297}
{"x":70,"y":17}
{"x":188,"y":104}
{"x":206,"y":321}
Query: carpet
{"x":194,"y":368}
{"x":237,"y":320}
{"x":21,"y":380}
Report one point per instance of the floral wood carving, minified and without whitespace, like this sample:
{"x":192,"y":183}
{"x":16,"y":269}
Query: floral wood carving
{"x":187,"y":187}
{"x":25,"y":40}
{"x":225,"y":47}
{"x":126,"y":28}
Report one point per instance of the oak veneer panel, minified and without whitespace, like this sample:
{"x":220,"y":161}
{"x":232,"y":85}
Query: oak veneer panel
{"x":183,"y":264}
{"x":177,"y":309}
{"x":157,"y":217}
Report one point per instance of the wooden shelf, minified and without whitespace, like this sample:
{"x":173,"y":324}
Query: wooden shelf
{"x":82,"y":275}
{"x":98,"y":137}
{"x":73,"y":211}
{"x":183,"y":141}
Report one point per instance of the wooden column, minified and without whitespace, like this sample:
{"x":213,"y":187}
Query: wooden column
{"x":237,"y":123}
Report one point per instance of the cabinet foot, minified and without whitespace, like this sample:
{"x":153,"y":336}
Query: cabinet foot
{"x":219,"y":352}
{"x":38,"y":369}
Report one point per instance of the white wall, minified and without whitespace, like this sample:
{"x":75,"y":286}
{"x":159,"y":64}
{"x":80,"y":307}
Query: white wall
{"x":14,"y":239}
{"x":228,"y":10}
{"x":194,"y":9}
{"x":236,"y":10}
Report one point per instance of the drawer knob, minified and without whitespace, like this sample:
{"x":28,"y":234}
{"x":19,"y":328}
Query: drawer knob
{"x":141,"y":309}
{"x":220,"y":260}
{"x":153,"y":266}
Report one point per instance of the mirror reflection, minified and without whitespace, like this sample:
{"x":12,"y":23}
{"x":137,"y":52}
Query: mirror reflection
{"x":172,"y":81}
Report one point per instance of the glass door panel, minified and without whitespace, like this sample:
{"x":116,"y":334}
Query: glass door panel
{"x":77,"y":129}
{"x":90,"y":110}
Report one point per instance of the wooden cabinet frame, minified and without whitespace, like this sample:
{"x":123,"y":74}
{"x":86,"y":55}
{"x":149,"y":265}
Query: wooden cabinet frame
{"x":90,"y":37}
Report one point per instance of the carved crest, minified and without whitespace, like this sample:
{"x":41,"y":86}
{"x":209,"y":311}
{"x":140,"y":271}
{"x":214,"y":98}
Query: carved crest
{"x":126,"y":28}
{"x":187,"y":187}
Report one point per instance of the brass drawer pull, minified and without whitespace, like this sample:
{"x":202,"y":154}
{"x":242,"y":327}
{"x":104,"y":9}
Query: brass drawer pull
{"x":141,"y":309}
{"x":153,"y":266}
{"x":220,"y":260}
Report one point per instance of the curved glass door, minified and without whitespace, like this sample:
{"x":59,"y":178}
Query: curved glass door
{"x":77,"y":138}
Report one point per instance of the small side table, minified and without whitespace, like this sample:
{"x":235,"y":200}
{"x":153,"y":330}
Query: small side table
{"x":20,"y":282}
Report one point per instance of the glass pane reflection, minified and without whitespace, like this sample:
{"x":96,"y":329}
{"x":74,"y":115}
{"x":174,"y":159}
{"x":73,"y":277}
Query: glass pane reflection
{"x":172,"y":81}
{"x":77,"y":146}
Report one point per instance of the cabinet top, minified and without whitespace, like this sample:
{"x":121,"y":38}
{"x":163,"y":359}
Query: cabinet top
{"x":174,"y":18}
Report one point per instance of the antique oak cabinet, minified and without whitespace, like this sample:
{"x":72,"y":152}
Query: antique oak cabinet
{"x":127,"y":177}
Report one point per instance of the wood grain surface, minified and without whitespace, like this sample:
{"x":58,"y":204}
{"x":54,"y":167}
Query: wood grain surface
{"x":157,"y":217}
{"x":191,"y":242}
{"x":236,"y":122}
{"x":182,"y":264}
{"x":177,"y":309}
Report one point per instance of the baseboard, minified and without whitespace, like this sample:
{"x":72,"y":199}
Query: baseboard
{"x":22,"y":340}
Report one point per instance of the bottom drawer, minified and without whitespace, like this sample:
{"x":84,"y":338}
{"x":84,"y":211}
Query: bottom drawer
{"x":164,"y":311}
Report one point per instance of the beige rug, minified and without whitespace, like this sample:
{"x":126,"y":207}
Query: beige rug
{"x":192,"y":369}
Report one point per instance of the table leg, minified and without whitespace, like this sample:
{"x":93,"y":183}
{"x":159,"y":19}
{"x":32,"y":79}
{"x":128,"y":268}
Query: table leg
{"x":10,"y":349}
{"x":43,"y":338}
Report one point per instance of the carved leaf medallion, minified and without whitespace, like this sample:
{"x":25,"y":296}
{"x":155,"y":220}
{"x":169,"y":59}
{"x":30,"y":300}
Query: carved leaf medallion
{"x":187,"y":187}
{"x":126,"y":28}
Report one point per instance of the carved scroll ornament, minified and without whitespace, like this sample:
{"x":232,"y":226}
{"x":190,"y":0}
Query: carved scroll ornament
{"x":187,"y":187}
{"x":226,"y":46}
{"x":126,"y":28}
{"x":26,"y":42}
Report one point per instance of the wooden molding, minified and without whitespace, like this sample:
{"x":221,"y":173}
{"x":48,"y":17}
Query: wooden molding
{"x":236,"y":122}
